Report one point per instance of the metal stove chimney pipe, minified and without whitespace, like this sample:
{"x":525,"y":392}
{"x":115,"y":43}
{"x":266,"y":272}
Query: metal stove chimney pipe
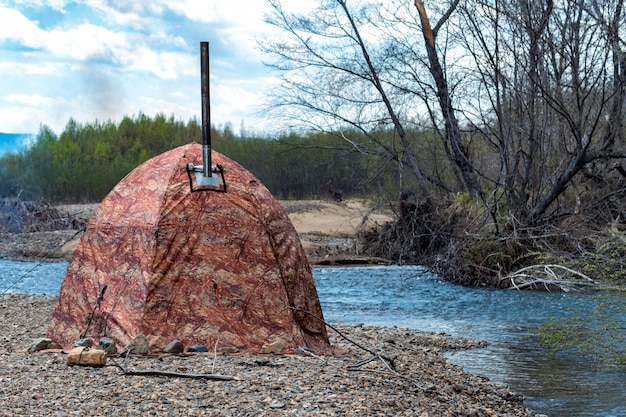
{"x":206,"y":110}
{"x":204,"y":178}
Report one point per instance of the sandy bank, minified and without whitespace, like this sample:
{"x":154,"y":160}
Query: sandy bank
{"x":327,"y":231}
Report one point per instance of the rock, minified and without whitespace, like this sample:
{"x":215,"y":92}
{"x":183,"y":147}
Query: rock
{"x":138,"y":345}
{"x":85,"y":356}
{"x":175,"y":346}
{"x":197,"y":348}
{"x":54,"y":345}
{"x":83,"y":343}
{"x":108,"y":345}
{"x":39,"y":344}
{"x":275,"y":347}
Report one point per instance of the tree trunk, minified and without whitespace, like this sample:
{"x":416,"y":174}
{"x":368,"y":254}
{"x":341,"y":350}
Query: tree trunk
{"x":453,"y":133}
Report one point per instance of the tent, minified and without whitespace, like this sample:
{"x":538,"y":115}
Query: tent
{"x":163,"y":258}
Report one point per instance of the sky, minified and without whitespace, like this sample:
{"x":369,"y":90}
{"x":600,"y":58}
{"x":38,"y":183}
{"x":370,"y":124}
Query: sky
{"x":104,"y":59}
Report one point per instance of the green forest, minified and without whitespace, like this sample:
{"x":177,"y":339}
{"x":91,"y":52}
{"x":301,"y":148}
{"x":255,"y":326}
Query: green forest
{"x":85,"y":161}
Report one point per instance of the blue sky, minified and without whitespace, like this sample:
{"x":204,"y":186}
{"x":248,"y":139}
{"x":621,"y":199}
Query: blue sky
{"x":103,"y":59}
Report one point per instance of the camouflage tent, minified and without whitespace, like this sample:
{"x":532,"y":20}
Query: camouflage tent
{"x":163,"y":259}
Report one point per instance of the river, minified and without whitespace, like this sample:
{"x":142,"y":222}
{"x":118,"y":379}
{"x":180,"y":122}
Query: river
{"x":557,"y":384}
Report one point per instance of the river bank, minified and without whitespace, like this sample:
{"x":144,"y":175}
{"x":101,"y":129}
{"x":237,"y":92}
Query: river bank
{"x":326,"y":229}
{"x":423,"y":382}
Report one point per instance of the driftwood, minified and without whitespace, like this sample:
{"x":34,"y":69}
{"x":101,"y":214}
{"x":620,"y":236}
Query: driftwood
{"x":388,"y":372}
{"x":152,"y":372}
{"x":546,"y":277}
{"x":334,"y":329}
{"x":17,"y":216}
{"x":212,"y":377}
{"x":388,"y":363}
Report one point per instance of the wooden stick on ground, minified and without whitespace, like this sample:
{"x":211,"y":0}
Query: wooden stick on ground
{"x":211,"y":377}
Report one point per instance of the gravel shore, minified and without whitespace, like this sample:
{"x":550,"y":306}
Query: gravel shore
{"x":418,"y":382}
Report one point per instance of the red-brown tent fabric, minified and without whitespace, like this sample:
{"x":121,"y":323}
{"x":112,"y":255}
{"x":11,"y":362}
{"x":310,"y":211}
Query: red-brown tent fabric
{"x":204,"y":267}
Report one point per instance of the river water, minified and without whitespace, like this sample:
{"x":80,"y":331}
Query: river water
{"x":557,"y":384}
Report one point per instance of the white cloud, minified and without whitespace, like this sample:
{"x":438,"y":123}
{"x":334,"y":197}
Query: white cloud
{"x":240,"y":20}
{"x":16,"y":120}
{"x":166,"y":65}
{"x":24,"y":113}
{"x":15,"y":26}
{"x":86,"y":41}
{"x":110,"y":58}
{"x":91,"y":42}
{"x":58,"y":5}
{"x":201,"y":10}
{"x":19,"y":68}
{"x":181,"y":109}
{"x":95,"y":43}
{"x":34,"y":100}
{"x":132,"y":14}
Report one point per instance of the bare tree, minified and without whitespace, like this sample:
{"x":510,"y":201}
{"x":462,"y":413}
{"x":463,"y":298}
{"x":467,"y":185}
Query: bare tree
{"x":452,"y":130}
{"x":537,"y":84}
{"x":361,"y":65}
{"x":551,"y":103}
{"x":336,"y":73}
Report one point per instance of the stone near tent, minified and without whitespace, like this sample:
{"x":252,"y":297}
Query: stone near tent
{"x":170,"y":260}
{"x":84,"y":342}
{"x":198,"y":349}
{"x":277,"y":347}
{"x":175,"y":346}
{"x":85,"y":356}
{"x":39,"y":344}
{"x":107,"y":345}
{"x":138,"y":345}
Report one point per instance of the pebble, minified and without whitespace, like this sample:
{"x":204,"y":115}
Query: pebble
{"x":175,"y":346}
{"x":108,"y":345}
{"x":137,"y":345}
{"x":267,"y":384}
{"x":39,"y":344}
{"x":83,"y":343}
{"x":197,"y":348}
{"x":277,"y":347}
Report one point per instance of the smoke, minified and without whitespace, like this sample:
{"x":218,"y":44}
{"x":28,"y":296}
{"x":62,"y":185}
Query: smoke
{"x":99,"y":94}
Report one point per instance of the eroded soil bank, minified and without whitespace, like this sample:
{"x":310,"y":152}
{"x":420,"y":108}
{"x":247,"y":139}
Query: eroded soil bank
{"x":327,"y":231}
